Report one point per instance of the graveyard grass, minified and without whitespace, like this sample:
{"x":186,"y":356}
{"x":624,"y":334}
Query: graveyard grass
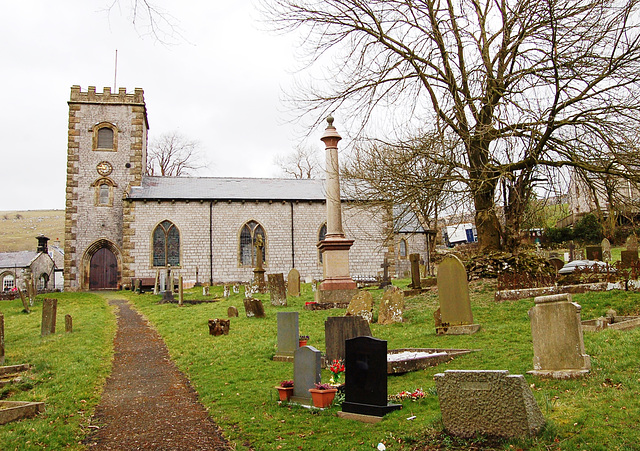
{"x":68,"y":370}
{"x":235,"y":376}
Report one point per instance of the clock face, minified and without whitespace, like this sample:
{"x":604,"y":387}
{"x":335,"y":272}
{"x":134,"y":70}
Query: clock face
{"x":104,"y":168}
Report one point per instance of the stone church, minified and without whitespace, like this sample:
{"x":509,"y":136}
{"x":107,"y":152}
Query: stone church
{"x":122,"y":224}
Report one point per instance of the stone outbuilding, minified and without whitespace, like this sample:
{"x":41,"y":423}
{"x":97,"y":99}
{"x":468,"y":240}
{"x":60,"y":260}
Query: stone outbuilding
{"x":17,"y":267}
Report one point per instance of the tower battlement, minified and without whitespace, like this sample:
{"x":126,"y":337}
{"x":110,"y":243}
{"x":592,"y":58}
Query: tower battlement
{"x":106,"y":96}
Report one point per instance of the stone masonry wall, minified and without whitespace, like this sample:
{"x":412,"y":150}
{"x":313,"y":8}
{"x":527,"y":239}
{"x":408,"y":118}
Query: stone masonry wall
{"x":192,"y":220}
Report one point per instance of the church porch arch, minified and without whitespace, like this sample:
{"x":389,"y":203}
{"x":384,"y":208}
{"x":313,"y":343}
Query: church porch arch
{"x":104,"y":258}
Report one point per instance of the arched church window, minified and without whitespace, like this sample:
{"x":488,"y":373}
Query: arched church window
{"x":105,"y":138}
{"x":8,"y":282}
{"x":103,"y":194}
{"x":166,"y":245}
{"x":248,"y":236}
{"x":321,"y":236}
{"x":403,"y":248}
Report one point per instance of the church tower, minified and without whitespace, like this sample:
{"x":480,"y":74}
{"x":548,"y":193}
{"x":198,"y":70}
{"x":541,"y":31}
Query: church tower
{"x":106,"y":156}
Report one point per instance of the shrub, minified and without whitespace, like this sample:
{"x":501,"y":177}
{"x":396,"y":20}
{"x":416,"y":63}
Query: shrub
{"x":588,"y":230}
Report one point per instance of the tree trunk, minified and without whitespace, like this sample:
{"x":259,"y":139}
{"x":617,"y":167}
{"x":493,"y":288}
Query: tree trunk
{"x":487,"y":222}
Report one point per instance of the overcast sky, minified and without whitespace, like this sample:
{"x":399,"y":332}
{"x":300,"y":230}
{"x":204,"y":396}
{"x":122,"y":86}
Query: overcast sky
{"x":221,"y":85}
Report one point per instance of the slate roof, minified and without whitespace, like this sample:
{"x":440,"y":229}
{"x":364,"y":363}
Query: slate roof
{"x":20,"y":259}
{"x":219,"y":188}
{"x":406,"y":221}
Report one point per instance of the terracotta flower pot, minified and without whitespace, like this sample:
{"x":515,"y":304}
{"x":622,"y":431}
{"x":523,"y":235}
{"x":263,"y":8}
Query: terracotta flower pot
{"x":302,"y":343}
{"x":285,"y":393}
{"x":322,"y":398}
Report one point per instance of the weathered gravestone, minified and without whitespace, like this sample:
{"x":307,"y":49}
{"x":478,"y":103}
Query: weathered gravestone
{"x":277,"y":289}
{"x":494,"y":403}
{"x":236,"y":288}
{"x":293,"y":282}
{"x":361,"y":305}
{"x":253,"y":308}
{"x":632,"y":243}
{"x":556,"y":330}
{"x":156,"y":284}
{"x":306,"y":373}
{"x":391,"y":306}
{"x":25,"y":301}
{"x":288,"y":334}
{"x":572,"y":251}
{"x":167,"y":295}
{"x":68,"y":324}
{"x":415,"y":271}
{"x":219,"y":327}
{"x":606,"y":250}
{"x":628,"y":258}
{"x":1,"y":339}
{"x":594,"y":252}
{"x":180,"y":291}
{"x":386,"y":280}
{"x":49,"y":310}
{"x":337,"y":329}
{"x":454,"y":316}
{"x":232,"y":312}
{"x":226,"y":291}
{"x":556,"y":262}
{"x":366,"y":380}
{"x":205,"y":290}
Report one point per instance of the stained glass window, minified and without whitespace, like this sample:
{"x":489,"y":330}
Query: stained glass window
{"x":166,"y":245}
{"x":248,"y":235}
{"x":321,"y":236}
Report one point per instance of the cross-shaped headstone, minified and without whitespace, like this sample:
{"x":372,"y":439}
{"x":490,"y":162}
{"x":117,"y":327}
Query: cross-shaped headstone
{"x":385,"y":274}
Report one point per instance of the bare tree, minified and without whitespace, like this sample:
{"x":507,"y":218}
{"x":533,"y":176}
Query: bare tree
{"x":302,"y":163}
{"x":523,"y":87}
{"x":172,"y":154}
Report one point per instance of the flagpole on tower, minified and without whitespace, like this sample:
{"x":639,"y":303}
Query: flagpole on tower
{"x":115,"y":73}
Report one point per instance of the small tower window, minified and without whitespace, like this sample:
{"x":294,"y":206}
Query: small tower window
{"x":104,"y":192}
{"x":105,"y":138}
{"x":103,"y":196}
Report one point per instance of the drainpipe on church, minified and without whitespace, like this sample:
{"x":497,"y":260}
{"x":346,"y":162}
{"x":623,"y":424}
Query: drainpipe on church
{"x":293,"y":252}
{"x":210,"y":243}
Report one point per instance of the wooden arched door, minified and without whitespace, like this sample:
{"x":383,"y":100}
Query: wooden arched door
{"x":103,"y":273}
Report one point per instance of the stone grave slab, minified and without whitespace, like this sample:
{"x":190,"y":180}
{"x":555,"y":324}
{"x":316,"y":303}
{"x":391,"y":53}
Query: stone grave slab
{"x":253,"y":308}
{"x":556,"y":331}
{"x":232,"y":312}
{"x":612,"y":321}
{"x":606,"y":250}
{"x":594,"y":252}
{"x":404,"y":360}
{"x":14,"y":410}
{"x":306,"y":373}
{"x":366,"y":378}
{"x":556,"y":262}
{"x":288,"y":334}
{"x":337,"y":329}
{"x":219,"y":327}
{"x":494,"y":403}
{"x":49,"y":310}
{"x":454,"y":317}
{"x":391,"y":306}
{"x":628,"y":258}
{"x":361,"y":305}
{"x":277,"y":289}
{"x":293,"y":282}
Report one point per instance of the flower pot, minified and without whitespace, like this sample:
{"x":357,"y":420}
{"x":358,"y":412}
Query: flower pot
{"x":322,"y":398}
{"x":285,"y":393}
{"x":302,"y":343}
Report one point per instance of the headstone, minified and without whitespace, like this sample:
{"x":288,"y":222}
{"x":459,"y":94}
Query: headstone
{"x":628,"y":258}
{"x":386,"y":281}
{"x":293,"y":282}
{"x":236,"y":288}
{"x":415,"y":271}
{"x":306,"y":373}
{"x":167,"y":295}
{"x":258,"y":272}
{"x":337,"y":329}
{"x":156,"y":285}
{"x":632,"y":243}
{"x":219,"y":327}
{"x":25,"y":301}
{"x":491,"y":402}
{"x":572,"y":251}
{"x":138,"y":286}
{"x":170,"y":282}
{"x":232,"y":312}
{"x":180,"y":291}
{"x":314,"y":285}
{"x":163,"y":281}
{"x":1,"y":339}
{"x":361,"y":305}
{"x":391,"y":306}
{"x":49,"y":310}
{"x":557,"y":263}
{"x":68,"y":324}
{"x":253,"y":308}
{"x":248,"y":291}
{"x":366,"y":378}
{"x":197,"y":284}
{"x":455,"y":317}
{"x":556,"y":331}
{"x":277,"y":289}
{"x":226,"y":291}
{"x":594,"y":252}
{"x":288,"y":333}
{"x":205,"y":290}
{"x":606,"y":250}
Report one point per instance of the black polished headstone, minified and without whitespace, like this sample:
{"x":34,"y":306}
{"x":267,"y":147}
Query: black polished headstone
{"x":366,"y":377}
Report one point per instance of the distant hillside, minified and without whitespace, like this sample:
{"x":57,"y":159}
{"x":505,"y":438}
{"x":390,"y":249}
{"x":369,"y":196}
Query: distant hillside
{"x":18,"y":229}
